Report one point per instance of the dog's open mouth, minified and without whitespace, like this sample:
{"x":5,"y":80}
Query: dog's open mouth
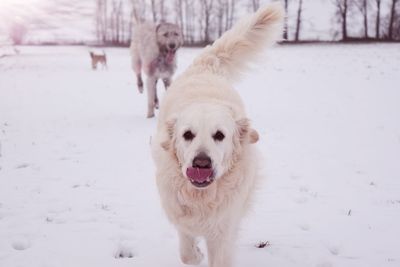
{"x":200,"y":177}
{"x":170,"y":55}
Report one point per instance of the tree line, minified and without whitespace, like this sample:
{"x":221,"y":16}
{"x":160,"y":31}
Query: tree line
{"x":386,"y":26}
{"x":203,"y":21}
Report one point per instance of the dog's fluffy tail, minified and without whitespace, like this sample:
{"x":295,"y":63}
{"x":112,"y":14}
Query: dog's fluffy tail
{"x":230,"y":54}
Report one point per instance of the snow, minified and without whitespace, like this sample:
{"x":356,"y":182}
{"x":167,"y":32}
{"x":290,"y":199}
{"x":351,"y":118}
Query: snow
{"x":76,"y":176}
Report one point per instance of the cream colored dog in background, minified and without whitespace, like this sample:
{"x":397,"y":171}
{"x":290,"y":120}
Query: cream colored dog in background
{"x":207,"y":165}
{"x":153,"y":51}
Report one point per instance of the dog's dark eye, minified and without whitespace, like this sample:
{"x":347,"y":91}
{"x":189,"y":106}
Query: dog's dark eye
{"x":188,"y":135}
{"x":218,"y":136}
{"x":166,"y":34}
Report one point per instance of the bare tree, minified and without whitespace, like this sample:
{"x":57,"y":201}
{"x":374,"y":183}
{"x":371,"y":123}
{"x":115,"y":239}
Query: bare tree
{"x":163,"y":10}
{"x":113,"y":21}
{"x":101,"y":20}
{"x":117,"y":20}
{"x":158,"y":10}
{"x":362,"y":5}
{"x":298,"y":20}
{"x":179,"y":14}
{"x":123,"y":23}
{"x":207,"y":7}
{"x":105,"y":21}
{"x":138,"y":11}
{"x":286,"y":29}
{"x":98,"y":20}
{"x":342,"y":8}
{"x":392,"y":19}
{"x":189,"y":20}
{"x":231,"y":14}
{"x":17,"y":32}
{"x":255,"y":4}
{"x":396,"y":28}
{"x":154,"y":10}
{"x":120,"y":22}
{"x":221,"y":7}
{"x":184,"y":17}
{"x":378,"y":19}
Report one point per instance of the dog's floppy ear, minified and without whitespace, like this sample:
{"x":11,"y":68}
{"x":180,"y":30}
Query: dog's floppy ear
{"x":253,"y":136}
{"x":170,"y":127}
{"x":246,"y":133}
{"x":158,"y":26}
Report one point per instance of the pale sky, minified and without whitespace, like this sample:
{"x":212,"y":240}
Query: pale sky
{"x":73,"y":20}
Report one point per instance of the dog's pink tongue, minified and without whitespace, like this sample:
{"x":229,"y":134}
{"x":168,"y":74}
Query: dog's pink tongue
{"x":198,"y":174}
{"x":170,"y":56}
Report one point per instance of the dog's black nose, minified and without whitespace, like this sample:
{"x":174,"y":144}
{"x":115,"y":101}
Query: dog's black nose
{"x":172,"y":46}
{"x":202,"y":161}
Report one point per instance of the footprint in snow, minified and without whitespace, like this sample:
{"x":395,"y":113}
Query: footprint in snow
{"x":295,"y":177}
{"x":324,"y":264}
{"x":304,"y":189}
{"x":21,"y":243}
{"x":300,"y":200}
{"x":304,"y":227}
{"x":22,"y":166}
{"x":124,"y":251}
{"x":333,"y":250}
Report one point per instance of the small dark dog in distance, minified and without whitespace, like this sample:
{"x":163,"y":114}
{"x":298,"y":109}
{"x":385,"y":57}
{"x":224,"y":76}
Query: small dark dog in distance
{"x":98,"y":58}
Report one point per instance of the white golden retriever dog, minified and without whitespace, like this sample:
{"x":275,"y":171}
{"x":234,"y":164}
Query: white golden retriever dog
{"x":207,"y":165}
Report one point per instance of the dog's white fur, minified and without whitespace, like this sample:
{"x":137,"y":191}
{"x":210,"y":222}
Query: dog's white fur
{"x":202,"y":99}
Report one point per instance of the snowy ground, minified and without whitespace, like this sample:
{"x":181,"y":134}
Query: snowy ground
{"x":76,"y":176}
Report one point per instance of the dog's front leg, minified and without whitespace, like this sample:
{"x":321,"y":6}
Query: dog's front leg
{"x":156,"y":104}
{"x":167,"y":82}
{"x":139,"y":82}
{"x":189,"y":251}
{"x":219,"y":249}
{"x":151,"y":95}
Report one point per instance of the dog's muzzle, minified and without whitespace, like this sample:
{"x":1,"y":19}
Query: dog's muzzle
{"x":201,"y":173}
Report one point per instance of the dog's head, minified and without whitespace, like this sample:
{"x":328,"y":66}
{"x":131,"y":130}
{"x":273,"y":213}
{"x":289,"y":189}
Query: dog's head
{"x":207,"y":141}
{"x":169,"y":37}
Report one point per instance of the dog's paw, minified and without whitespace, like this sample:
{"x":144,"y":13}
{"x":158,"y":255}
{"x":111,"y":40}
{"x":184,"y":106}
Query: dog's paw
{"x":193,"y":257}
{"x":140,"y":88}
{"x":124,"y":251}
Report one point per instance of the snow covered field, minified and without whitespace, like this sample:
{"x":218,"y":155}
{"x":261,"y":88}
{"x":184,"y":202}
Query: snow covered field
{"x":76,"y":176}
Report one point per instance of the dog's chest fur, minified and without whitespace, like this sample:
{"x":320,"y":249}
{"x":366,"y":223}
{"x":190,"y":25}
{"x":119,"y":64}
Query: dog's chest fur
{"x":161,"y":67}
{"x":202,"y":211}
